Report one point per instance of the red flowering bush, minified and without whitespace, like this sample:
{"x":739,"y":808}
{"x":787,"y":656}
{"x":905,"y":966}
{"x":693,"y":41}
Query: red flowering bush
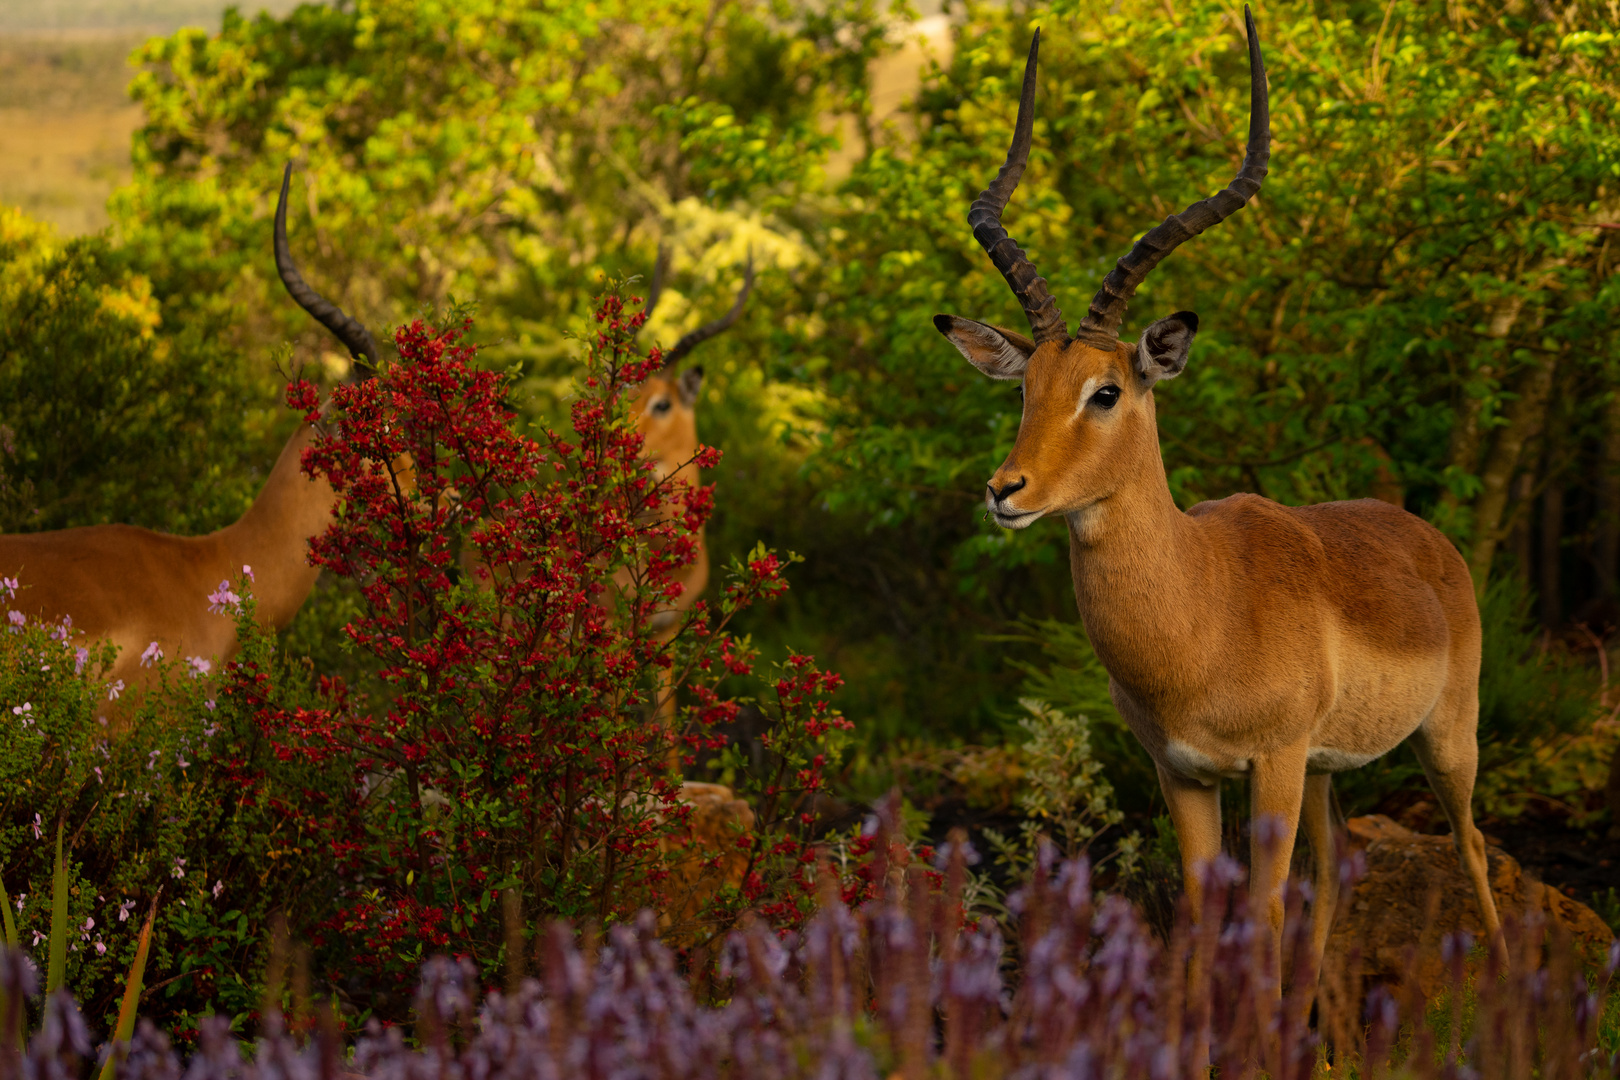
{"x":506,"y":768}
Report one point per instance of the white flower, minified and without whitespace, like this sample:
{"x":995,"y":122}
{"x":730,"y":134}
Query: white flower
{"x":179,"y":869}
{"x":219,"y":887}
{"x":21,"y":897}
{"x":114,"y":690}
{"x":124,"y":910}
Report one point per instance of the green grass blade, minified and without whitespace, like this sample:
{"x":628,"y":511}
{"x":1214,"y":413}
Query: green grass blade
{"x":10,"y":924}
{"x":56,"y":964}
{"x":132,"y":994}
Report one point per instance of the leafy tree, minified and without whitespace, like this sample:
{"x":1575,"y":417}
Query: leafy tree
{"x":108,"y":411}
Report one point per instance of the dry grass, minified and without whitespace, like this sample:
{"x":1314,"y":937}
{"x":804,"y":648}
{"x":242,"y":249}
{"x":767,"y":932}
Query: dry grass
{"x":65,"y":123}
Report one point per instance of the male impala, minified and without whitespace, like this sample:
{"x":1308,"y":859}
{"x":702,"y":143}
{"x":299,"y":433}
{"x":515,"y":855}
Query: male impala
{"x":1241,"y":638}
{"x":134,"y":586}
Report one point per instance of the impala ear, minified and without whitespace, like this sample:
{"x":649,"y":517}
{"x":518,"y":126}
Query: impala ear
{"x":1000,"y":354}
{"x":1162,"y":352}
{"x":690,"y":383}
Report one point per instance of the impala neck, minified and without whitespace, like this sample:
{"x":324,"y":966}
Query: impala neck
{"x":272,"y":537}
{"x":1143,"y":573}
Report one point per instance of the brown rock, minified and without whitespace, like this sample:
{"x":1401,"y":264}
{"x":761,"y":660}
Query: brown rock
{"x":1414,"y":893}
{"x":704,"y":857}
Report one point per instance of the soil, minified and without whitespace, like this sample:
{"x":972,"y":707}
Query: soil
{"x":1582,"y":863}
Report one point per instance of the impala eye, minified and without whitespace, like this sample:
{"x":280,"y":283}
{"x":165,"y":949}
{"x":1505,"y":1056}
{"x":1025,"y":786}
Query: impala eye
{"x":660,"y":407}
{"x":1107,"y":397}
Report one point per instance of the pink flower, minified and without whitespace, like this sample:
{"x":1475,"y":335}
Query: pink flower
{"x":219,"y":887}
{"x":124,"y":910}
{"x":17,"y":618}
{"x":39,"y":827}
{"x":222,"y":601}
{"x":80,"y":658}
{"x":8,"y":587}
{"x":199,"y":666}
{"x":247,"y":571}
{"x":153,"y":652}
{"x":114,"y":690}
{"x":101,"y":950}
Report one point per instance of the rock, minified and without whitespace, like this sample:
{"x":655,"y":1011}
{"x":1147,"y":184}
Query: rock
{"x":1414,"y":893}
{"x":704,"y":857}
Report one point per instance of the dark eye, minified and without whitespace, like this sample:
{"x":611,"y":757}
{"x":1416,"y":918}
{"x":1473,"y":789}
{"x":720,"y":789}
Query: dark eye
{"x":1107,"y":397}
{"x":660,"y":407}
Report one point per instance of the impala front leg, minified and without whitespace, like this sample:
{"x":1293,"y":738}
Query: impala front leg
{"x":1277,"y":792}
{"x":1195,"y":811}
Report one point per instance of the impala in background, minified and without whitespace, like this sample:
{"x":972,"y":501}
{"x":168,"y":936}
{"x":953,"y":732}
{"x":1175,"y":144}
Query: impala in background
{"x":133,"y":586}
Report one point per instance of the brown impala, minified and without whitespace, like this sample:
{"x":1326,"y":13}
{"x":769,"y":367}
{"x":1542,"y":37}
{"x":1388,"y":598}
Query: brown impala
{"x":137,"y":587}
{"x":1242,"y":638}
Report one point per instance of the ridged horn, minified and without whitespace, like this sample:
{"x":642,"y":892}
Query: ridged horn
{"x":355,"y":337}
{"x":1107,"y":309}
{"x":655,"y":288}
{"x":724,"y":322}
{"x":984,"y":218}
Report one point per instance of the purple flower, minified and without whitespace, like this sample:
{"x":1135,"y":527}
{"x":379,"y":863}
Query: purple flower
{"x":39,"y":827}
{"x":17,"y":618}
{"x":222,"y":601}
{"x":179,"y":868}
{"x":8,"y":587}
{"x":81,"y":656}
{"x":219,"y":887}
{"x":101,"y":950}
{"x":199,"y":666}
{"x":153,"y":652}
{"x":114,"y":690}
{"x":124,"y":910}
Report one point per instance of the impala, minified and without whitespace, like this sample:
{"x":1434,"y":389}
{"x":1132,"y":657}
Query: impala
{"x":1242,"y":638}
{"x":135,"y":587}
{"x":666,"y":416}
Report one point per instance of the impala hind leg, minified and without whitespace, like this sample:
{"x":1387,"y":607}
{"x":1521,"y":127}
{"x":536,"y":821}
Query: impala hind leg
{"x":1445,"y":745}
{"x":1317,"y":819}
{"x":1195,"y":811}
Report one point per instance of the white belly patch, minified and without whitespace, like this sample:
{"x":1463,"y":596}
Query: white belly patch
{"x":1187,"y":760}
{"x":1325,"y":759}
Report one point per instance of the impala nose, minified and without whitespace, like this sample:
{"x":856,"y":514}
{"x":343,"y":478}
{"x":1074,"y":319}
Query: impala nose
{"x":1000,"y":494}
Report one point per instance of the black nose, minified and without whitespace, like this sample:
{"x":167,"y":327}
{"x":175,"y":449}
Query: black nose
{"x":1009,"y":489}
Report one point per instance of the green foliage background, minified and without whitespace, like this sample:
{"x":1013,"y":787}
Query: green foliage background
{"x":1418,"y":305}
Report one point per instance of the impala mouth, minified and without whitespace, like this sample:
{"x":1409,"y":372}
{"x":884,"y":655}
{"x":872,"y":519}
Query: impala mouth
{"x":1015,"y":519}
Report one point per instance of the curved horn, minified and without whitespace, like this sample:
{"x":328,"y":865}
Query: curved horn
{"x":1108,"y":306}
{"x":985,"y":220}
{"x":724,"y":322}
{"x":655,"y":288}
{"x":355,"y":337}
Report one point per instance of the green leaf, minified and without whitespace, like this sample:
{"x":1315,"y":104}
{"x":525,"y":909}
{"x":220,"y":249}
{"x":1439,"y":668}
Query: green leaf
{"x":56,"y":964}
{"x":132,"y":992}
{"x":10,"y":925}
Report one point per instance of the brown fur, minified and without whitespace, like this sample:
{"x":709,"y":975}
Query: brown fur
{"x":1242,"y":635}
{"x":134,"y":586}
